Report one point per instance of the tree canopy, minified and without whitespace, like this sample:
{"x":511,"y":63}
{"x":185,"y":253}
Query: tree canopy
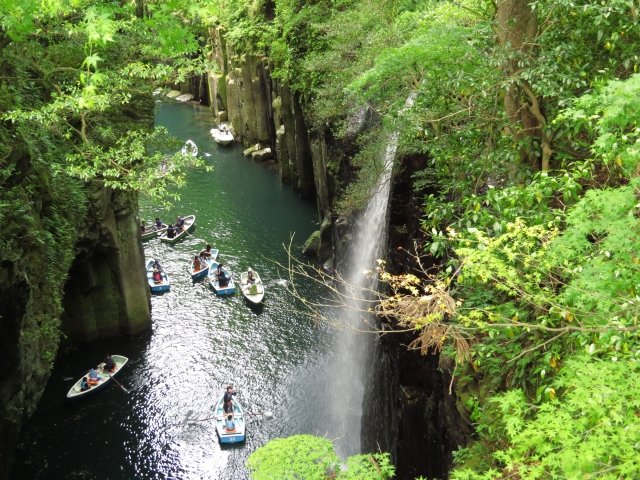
{"x":82,"y":74}
{"x":313,"y":458}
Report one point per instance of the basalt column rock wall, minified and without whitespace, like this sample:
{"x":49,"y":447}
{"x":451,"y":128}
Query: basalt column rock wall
{"x":264,"y":114}
{"x":107,"y":292}
{"x":269,"y":119}
{"x":411,"y":407}
{"x":411,"y":410}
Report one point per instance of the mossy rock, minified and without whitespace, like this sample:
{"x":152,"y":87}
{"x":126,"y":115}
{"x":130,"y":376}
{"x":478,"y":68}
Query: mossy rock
{"x":312,"y":245}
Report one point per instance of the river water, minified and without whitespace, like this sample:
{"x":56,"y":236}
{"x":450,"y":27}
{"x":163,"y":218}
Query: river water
{"x":198,"y":343}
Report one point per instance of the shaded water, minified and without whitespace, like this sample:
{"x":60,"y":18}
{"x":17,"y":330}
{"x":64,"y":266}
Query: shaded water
{"x":198,"y":342}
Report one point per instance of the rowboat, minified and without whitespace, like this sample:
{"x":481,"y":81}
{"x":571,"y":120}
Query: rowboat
{"x":190,"y":148}
{"x":236,"y":435}
{"x":153,"y":231}
{"x":189,"y":222}
{"x":226,"y":287}
{"x":222,"y":135}
{"x":252,"y":291}
{"x":104,"y":377}
{"x":157,"y":286}
{"x":203,"y":272}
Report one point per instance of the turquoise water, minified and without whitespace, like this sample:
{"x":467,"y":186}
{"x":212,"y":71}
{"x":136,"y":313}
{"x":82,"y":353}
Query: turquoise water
{"x":199,"y":343}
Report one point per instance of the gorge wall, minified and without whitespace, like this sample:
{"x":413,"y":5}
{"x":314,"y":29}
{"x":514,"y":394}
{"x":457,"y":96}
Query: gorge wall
{"x":411,"y":406}
{"x":70,"y":262}
{"x":269,"y":119}
{"x":107,"y":294}
{"x":410,"y":412}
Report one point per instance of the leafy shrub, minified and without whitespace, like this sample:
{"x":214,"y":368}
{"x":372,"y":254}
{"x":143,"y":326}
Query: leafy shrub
{"x":313,"y":458}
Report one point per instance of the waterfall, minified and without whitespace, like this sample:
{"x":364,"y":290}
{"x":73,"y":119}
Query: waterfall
{"x":353,"y":349}
{"x":327,"y":396}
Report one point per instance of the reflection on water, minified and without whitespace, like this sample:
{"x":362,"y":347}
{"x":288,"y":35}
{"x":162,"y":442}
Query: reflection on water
{"x":198,"y":343}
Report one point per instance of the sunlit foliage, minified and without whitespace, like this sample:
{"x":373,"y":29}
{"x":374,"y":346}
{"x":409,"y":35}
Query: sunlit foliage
{"x":85,"y":73}
{"x":313,"y":458}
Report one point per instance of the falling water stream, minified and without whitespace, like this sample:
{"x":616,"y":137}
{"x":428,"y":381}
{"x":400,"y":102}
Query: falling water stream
{"x":339,"y":378}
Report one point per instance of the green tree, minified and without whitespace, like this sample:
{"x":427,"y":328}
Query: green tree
{"x":84,"y":80}
{"x":313,"y":458}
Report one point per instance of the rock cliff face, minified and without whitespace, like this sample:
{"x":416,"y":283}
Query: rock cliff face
{"x":262,"y":111}
{"x":107,"y":293}
{"x":411,"y":407}
{"x":267,"y":116}
{"x":36,"y":250}
{"x":410,"y":411}
{"x":70,"y":261}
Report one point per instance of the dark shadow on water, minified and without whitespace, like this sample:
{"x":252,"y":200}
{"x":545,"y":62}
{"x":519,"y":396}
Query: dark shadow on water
{"x":233,"y":446}
{"x":256,"y":308}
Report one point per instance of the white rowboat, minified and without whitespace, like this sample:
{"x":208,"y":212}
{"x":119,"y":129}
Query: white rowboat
{"x":252,"y":291}
{"x":236,"y":435}
{"x":222,"y":135}
{"x":104,"y":377}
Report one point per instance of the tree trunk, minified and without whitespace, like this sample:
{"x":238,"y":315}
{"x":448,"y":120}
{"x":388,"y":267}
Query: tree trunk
{"x":140,"y":8}
{"x":516,"y":29}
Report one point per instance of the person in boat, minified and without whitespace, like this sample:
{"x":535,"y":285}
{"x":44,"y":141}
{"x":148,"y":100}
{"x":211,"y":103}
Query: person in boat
{"x":171,"y":232}
{"x":156,"y":265}
{"x":157,"y":276}
{"x":223,"y":279}
{"x":205,"y":252}
{"x":227,"y":399}
{"x":179,"y":223}
{"x":197,"y":264}
{"x":84,"y":384}
{"x":142,"y":228}
{"x":250,"y":277}
{"x":158,"y":223}
{"x":109,"y":364}
{"x":229,"y":425}
{"x":93,"y":377}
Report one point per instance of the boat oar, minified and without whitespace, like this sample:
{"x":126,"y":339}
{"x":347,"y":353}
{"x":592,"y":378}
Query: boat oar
{"x":118,"y":383}
{"x":196,"y":420}
{"x":260,"y":414}
{"x":254,"y":414}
